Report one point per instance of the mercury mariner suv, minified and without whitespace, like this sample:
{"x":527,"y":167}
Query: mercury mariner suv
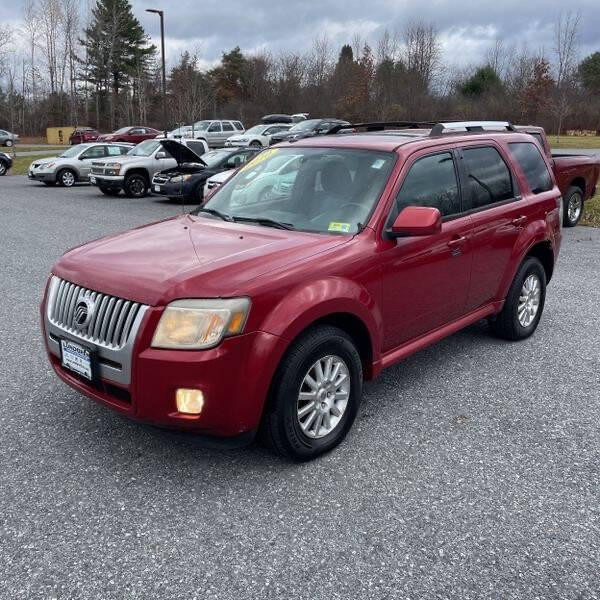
{"x":265,"y":313}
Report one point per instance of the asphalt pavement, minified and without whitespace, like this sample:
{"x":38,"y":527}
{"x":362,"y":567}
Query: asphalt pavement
{"x":472,"y":471}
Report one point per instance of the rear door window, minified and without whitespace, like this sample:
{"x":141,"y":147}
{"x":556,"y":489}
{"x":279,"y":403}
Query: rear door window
{"x":238,"y":125}
{"x":227,"y":126}
{"x":533,"y":166}
{"x":432,"y":182}
{"x":489,"y":179}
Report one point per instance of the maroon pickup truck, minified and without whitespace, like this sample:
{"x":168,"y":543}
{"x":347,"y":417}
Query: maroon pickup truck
{"x":576,"y":175}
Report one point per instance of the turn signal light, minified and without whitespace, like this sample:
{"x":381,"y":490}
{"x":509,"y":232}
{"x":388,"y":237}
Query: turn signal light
{"x":189,"y":402}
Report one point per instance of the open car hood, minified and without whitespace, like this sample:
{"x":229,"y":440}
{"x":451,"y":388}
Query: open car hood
{"x":181,"y":153}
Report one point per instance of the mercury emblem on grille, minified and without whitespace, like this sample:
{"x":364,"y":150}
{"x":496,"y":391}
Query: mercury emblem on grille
{"x":84,"y":311}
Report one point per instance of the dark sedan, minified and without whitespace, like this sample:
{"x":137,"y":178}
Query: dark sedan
{"x":187,"y":179}
{"x":308,"y":128}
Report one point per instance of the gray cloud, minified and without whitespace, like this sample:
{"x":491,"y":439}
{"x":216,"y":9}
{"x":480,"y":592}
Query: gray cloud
{"x":467,"y":28}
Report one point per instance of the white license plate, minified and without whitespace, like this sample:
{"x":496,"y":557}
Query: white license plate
{"x":92,"y":179}
{"x":76,"y":358}
{"x":157,"y":188}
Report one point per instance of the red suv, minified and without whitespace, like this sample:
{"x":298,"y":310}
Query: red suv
{"x":132,"y":135}
{"x":317,"y":265}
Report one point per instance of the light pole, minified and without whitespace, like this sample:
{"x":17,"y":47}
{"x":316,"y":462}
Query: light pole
{"x":161,"y":14}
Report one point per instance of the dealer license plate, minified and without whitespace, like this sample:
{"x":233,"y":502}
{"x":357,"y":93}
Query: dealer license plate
{"x":157,"y":188}
{"x":92,"y":179}
{"x":76,"y":358}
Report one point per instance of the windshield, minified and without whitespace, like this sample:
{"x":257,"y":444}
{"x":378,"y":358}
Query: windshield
{"x":257,"y":129}
{"x":73,"y":151}
{"x":122,"y":130}
{"x":304,"y":125}
{"x":145,"y":148}
{"x":202,"y":125}
{"x":326,"y":190}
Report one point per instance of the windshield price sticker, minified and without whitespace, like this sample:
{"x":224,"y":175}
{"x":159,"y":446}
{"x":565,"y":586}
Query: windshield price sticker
{"x":343,"y":227}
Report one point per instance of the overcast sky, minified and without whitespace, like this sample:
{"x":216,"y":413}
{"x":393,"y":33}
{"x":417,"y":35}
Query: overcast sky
{"x":467,"y":28}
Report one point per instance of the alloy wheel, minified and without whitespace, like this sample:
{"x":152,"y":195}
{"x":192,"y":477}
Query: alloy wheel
{"x":323,"y":396}
{"x":574,"y":207}
{"x":67,"y":178}
{"x":529,"y":300}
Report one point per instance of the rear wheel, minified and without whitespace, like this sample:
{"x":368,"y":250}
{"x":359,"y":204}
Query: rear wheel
{"x":315,"y":394}
{"x":66,"y":178}
{"x":573,"y":206}
{"x":135,"y":186}
{"x":524,"y":303}
{"x":8,"y":143}
{"x":109,"y":191}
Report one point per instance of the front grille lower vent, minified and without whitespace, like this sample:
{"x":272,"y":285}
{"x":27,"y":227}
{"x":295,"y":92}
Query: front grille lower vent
{"x":111,"y":322}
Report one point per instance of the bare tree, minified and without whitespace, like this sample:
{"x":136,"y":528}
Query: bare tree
{"x":422,"y":52}
{"x":566,"y":44}
{"x":30,"y":32}
{"x":50,"y":16}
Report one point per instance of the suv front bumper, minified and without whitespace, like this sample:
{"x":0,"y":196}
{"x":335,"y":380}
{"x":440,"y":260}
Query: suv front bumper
{"x":112,"y":182}
{"x":233,"y":377}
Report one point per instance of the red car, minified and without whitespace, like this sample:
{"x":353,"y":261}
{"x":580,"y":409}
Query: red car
{"x":81,"y":135}
{"x":133,"y":135}
{"x":317,"y":265}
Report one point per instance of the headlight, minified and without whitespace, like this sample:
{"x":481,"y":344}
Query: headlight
{"x":200,"y":324}
{"x":179,"y":178}
{"x":47,"y":165}
{"x":115,"y":168}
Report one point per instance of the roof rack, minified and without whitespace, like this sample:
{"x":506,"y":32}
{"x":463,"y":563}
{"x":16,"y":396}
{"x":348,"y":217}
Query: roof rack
{"x":381,"y":125}
{"x":470,"y":126}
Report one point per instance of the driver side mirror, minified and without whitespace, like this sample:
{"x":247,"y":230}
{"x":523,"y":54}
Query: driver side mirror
{"x":161,"y":155}
{"x":416,"y":221}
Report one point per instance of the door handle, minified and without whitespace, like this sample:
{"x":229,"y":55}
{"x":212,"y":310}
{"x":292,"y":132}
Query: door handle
{"x":457,"y":242}
{"x":519,"y":221}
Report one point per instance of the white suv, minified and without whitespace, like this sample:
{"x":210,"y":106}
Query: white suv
{"x":215,"y":132}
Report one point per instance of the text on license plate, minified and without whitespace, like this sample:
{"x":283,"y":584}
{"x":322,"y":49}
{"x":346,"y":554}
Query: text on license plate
{"x":157,"y":188}
{"x":76,"y":358}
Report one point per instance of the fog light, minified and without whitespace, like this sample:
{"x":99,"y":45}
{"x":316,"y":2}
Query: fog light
{"x":189,"y":401}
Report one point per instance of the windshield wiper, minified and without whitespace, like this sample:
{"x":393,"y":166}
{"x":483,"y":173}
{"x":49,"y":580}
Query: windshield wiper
{"x":264,"y":221}
{"x":216,"y":213}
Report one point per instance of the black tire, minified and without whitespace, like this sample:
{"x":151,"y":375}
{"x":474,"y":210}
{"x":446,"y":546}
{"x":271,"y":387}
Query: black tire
{"x":255,"y":144}
{"x":572,"y":206}
{"x":66,"y":178}
{"x":109,"y":191}
{"x":507,"y":325}
{"x":280,"y":427}
{"x":8,"y":143}
{"x":136,"y":186}
{"x":3,"y":168}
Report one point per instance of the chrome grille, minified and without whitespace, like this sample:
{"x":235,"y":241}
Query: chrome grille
{"x":158,"y":178}
{"x":112,"y":320}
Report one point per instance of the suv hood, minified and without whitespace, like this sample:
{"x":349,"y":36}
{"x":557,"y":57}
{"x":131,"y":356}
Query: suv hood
{"x":186,"y":257}
{"x":181,"y":153}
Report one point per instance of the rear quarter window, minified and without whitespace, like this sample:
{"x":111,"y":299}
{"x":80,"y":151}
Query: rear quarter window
{"x":533,"y":166}
{"x":489,"y":179}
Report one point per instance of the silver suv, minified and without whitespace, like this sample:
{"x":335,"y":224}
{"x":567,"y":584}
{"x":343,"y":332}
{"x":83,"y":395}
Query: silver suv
{"x":215,"y":132}
{"x":74,"y":164}
{"x":133,"y":172}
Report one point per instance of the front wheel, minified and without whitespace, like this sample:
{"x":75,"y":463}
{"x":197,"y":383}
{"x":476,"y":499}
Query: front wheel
{"x":8,"y":143}
{"x":3,"y":168}
{"x":255,"y":144}
{"x":524,"y":303}
{"x":66,"y":178}
{"x":315,"y":394}
{"x":136,"y":186}
{"x":573,"y":206}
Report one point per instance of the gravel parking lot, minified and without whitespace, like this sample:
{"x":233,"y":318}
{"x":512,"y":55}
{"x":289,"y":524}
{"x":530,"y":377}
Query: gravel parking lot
{"x":473,"y":470}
